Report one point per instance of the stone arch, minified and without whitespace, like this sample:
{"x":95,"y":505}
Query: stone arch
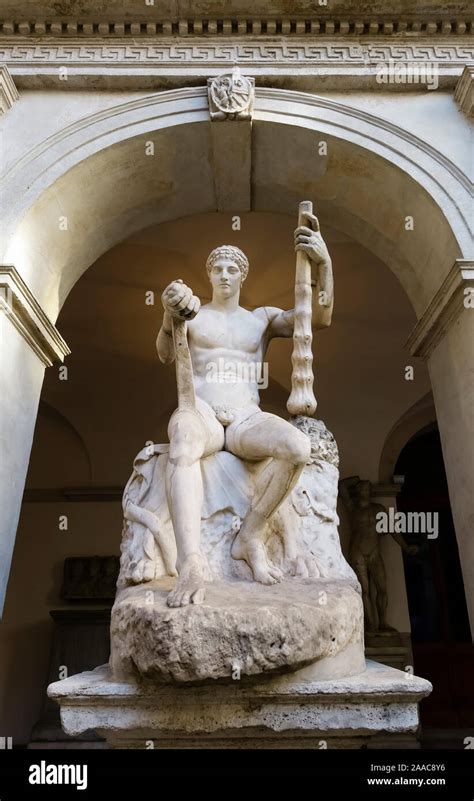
{"x":94,"y":175}
{"x":420,"y":415}
{"x":373,"y":167}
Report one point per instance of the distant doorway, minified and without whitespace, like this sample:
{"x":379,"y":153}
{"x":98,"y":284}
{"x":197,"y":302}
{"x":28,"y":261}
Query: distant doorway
{"x":442,"y":647}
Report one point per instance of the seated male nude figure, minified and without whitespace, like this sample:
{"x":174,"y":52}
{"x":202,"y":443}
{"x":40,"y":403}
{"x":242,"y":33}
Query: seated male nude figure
{"x":227,"y":414}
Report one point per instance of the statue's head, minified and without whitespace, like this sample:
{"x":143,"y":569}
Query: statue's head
{"x":227,"y":267}
{"x":362,"y":491}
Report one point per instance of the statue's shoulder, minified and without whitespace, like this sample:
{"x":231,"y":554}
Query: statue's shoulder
{"x":267,"y":313}
{"x":204,"y":311}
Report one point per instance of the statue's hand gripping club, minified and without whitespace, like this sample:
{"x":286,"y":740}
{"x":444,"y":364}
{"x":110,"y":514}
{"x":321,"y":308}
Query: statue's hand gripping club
{"x":179,"y":302}
{"x":181,"y":305}
{"x":310,"y":247}
{"x":302,"y":400}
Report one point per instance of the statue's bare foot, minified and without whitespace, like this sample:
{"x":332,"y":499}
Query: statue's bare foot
{"x":302,"y":566}
{"x":255,"y":554}
{"x":190,"y":586}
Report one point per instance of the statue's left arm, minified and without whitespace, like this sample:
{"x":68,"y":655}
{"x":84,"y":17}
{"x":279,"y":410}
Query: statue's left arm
{"x":310,"y":241}
{"x":406,"y":547}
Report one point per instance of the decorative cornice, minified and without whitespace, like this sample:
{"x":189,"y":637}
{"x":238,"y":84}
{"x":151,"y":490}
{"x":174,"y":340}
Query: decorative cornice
{"x":464,"y":93}
{"x":360,"y":25}
{"x":142,"y":64}
{"x":446,"y":306}
{"x":24,"y":311}
{"x":8,"y":90}
{"x":229,"y":50}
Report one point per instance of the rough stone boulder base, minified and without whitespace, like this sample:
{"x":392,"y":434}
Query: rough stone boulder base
{"x":257,"y":629}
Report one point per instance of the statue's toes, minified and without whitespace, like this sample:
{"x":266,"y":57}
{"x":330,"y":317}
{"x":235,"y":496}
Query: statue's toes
{"x":275,"y":573}
{"x":269,"y":579}
{"x":181,"y":596}
{"x":269,"y":575}
{"x":174,"y":599}
{"x":198,"y":596}
{"x":263,"y":576}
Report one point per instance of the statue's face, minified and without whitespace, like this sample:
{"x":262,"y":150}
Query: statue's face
{"x":225,"y":277}
{"x":363,"y":491}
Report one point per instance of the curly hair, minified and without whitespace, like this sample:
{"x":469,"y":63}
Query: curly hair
{"x":229,"y":252}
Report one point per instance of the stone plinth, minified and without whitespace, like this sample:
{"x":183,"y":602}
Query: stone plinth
{"x":282,"y":712}
{"x":242,"y":625}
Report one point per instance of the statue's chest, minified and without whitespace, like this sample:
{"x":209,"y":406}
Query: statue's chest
{"x":365,"y":518}
{"x":232,"y":332}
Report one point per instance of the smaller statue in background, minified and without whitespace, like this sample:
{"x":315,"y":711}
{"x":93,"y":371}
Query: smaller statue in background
{"x":365,"y":556}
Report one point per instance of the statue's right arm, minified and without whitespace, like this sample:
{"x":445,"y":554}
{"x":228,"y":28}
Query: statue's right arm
{"x":178,"y":301}
{"x":164,"y":341}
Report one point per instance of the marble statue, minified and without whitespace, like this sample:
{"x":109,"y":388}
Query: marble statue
{"x":227,"y":414}
{"x":237,"y":619}
{"x":230,"y":546}
{"x":365,"y":556}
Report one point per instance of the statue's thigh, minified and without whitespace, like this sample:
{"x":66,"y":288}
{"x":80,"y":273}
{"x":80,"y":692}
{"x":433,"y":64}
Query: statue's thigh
{"x":362,"y":574}
{"x":194,"y":434}
{"x":377,"y":572}
{"x":213,"y":430}
{"x":264,"y":435}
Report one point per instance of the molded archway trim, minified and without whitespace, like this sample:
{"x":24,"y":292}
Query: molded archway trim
{"x":420,"y":415}
{"x":93,"y":175}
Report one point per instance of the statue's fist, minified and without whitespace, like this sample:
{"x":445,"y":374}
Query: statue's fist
{"x":178,"y":301}
{"x":308,"y":239}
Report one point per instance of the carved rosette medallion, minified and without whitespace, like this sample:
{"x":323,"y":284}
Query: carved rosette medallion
{"x":231,"y":96}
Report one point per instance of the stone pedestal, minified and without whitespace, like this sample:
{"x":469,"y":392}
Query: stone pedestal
{"x":288,"y":711}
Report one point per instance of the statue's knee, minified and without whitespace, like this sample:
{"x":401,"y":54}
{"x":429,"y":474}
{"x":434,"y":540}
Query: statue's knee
{"x":296,"y":447}
{"x":304,"y":449}
{"x":364,"y":584}
{"x":184,"y":453}
{"x":186,"y":442}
